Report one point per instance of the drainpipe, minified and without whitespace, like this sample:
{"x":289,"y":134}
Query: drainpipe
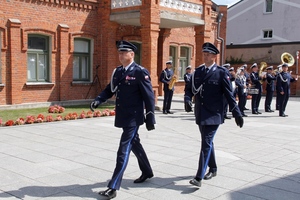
{"x":297,"y":58}
{"x":220,"y":15}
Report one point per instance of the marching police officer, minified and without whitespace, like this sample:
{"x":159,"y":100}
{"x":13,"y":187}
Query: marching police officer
{"x":165,"y":77}
{"x":284,"y":80}
{"x":209,"y":83}
{"x":270,"y":88}
{"x":131,"y":85}
{"x":255,"y":80}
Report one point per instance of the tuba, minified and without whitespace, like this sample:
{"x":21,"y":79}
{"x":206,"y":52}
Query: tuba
{"x":263,"y":66}
{"x":287,"y":58}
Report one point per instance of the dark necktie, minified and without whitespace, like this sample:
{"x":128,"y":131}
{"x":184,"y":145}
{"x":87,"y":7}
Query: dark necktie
{"x":123,"y":70}
{"x":206,"y":70}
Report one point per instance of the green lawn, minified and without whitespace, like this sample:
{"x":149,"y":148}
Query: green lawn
{"x":14,"y":114}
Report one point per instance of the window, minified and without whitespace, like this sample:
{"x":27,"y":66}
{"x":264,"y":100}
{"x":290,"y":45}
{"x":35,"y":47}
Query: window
{"x":82,"y":59}
{"x":173,"y":55}
{"x":137,"y":53}
{"x":38,"y":58}
{"x":269,"y":6}
{"x":184,"y":60}
{"x":267,"y":34}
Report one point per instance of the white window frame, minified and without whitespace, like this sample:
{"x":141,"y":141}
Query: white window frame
{"x":266,"y":6}
{"x":182,"y":66}
{"x":90,"y":59}
{"x":39,"y":54}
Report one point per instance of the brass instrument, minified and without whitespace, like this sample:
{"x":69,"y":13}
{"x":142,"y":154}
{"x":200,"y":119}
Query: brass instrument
{"x":174,"y":79}
{"x":172,"y":82}
{"x":287,"y":58}
{"x":263,"y":66}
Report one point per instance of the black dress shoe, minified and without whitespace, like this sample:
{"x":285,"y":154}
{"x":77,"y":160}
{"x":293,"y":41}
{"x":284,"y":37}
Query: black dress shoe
{"x":169,"y":112}
{"x":246,"y":108}
{"x":209,"y":175}
{"x":195,"y":182}
{"x":165,"y":112}
{"x":109,"y":193}
{"x":283,"y":115}
{"x":271,"y":110}
{"x":258,"y":112}
{"x":226,"y":117}
{"x":142,"y":178}
{"x":255,"y":113}
{"x":244,"y":115}
{"x":268,"y":111}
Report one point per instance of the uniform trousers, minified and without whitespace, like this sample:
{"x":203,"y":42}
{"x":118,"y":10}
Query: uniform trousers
{"x":168,"y":95}
{"x":129,"y":141}
{"x":207,"y":152}
{"x":268,"y":100}
{"x":282,"y":102}
{"x":242,"y":101}
{"x":277,"y":99}
{"x":255,"y":101}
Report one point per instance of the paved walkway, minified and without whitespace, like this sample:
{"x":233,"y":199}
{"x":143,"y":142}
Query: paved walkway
{"x":75,"y":159}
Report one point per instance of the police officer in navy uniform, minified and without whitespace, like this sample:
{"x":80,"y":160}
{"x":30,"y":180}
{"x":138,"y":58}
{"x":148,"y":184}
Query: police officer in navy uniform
{"x":209,"y":83}
{"x":187,"y":76}
{"x":227,"y":67}
{"x":131,"y":85}
{"x":284,"y":80}
{"x":279,"y":70}
{"x":241,"y":84}
{"x":247,"y":75}
{"x":255,"y":80}
{"x":270,"y":88}
{"x":165,"y":77}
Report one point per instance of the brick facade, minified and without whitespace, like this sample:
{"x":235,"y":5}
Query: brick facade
{"x":64,"y":20}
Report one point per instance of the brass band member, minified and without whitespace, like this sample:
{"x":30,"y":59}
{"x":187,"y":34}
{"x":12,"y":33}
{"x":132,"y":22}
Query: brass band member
{"x":241,"y":83}
{"x":165,"y":77}
{"x":284,"y":80}
{"x":270,"y":88}
{"x":255,"y":80}
{"x":279,"y":70}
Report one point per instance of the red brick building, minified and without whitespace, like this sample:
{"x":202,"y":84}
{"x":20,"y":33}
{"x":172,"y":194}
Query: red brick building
{"x":51,"y":50}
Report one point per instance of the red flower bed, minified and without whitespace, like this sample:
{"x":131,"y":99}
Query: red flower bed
{"x":57,"y":109}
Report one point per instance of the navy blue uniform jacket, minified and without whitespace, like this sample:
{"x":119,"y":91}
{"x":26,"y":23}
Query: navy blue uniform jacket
{"x":270,"y":86}
{"x":284,"y":80}
{"x":209,"y":106}
{"x":165,"y":77}
{"x":255,"y":80}
{"x":133,"y":91}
